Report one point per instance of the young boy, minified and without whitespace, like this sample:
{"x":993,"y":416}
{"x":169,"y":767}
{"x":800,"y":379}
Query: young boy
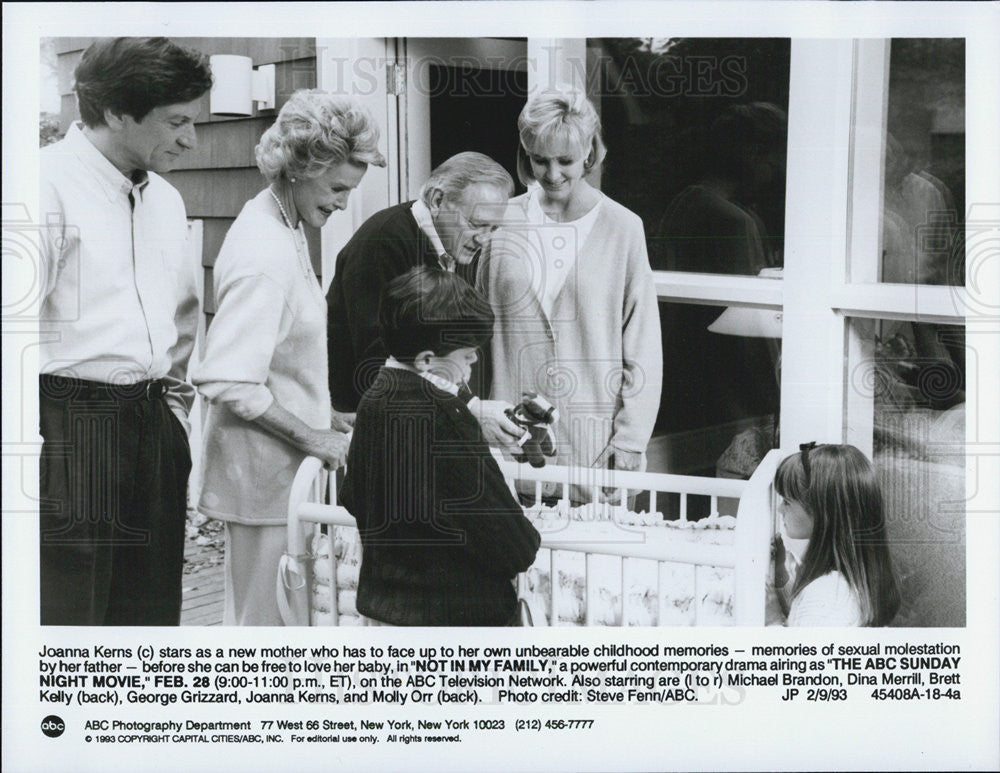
{"x":442,"y":536}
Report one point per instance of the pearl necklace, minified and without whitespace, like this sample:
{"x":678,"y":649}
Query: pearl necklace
{"x":302,"y":251}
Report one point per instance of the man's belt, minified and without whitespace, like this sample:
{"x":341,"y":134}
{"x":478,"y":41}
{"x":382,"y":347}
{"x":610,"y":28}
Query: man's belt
{"x":65,"y":388}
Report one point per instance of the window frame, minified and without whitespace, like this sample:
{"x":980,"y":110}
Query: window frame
{"x":857,"y":292}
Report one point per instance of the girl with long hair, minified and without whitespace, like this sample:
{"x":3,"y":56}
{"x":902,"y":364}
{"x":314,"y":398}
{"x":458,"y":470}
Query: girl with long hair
{"x":831,"y":496}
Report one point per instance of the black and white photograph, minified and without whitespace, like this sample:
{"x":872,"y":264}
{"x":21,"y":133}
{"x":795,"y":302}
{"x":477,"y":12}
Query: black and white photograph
{"x":671,"y":336}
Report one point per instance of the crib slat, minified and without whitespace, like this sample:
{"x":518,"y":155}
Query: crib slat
{"x":696,"y":600}
{"x":335,"y":601}
{"x":684,"y":506}
{"x":621,"y":594}
{"x":659,"y":593}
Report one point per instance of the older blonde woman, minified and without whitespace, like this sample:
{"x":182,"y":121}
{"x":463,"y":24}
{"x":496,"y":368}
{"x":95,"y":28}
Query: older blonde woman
{"x":264,"y":370}
{"x":572,"y":290}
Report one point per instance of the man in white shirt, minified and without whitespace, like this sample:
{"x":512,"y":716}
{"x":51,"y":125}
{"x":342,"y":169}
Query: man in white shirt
{"x":118,"y":318}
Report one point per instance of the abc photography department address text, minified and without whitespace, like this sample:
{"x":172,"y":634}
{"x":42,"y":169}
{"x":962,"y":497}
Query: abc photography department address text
{"x":317,"y":691}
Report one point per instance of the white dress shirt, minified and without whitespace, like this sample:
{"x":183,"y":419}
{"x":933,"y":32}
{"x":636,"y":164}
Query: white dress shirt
{"x":119,"y":301}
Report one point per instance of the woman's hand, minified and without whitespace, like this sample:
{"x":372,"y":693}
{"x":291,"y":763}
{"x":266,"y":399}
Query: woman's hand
{"x":326,"y":444}
{"x":617,"y":459}
{"x":330,"y":446}
{"x":627,"y":460}
{"x":342,"y":422}
{"x":612,"y":458}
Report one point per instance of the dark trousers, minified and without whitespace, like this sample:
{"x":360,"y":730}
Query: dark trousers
{"x":113,"y":481}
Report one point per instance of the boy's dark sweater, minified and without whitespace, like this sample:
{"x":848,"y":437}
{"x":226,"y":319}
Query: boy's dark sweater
{"x":441,"y":534}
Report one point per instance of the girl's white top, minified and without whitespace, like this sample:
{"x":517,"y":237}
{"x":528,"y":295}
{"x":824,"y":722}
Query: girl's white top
{"x":826,"y":601}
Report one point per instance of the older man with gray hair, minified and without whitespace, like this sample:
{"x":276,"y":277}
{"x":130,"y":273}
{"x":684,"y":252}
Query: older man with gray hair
{"x":459,"y":206}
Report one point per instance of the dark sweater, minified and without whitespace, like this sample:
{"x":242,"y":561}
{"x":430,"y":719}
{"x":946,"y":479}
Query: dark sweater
{"x":442,"y":537}
{"x":387,"y":244}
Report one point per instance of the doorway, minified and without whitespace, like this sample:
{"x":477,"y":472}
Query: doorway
{"x":461,"y":94}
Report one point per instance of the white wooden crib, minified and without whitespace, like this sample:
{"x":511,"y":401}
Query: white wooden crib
{"x":611,"y":573}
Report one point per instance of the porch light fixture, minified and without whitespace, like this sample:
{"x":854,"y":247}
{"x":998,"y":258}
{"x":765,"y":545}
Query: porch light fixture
{"x":237,"y":85}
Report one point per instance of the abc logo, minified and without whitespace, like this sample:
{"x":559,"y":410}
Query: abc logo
{"x":53,"y":726}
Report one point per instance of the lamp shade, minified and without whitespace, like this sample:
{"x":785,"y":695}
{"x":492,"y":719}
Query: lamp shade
{"x":749,"y":323}
{"x":232,"y":86}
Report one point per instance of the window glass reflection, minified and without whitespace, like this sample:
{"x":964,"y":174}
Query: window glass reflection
{"x":918,"y":417}
{"x":699,"y":127}
{"x":720,"y":394}
{"x":924,"y":188}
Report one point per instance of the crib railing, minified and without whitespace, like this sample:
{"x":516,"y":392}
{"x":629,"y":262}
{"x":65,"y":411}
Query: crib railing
{"x":313,"y":497}
{"x":748,"y":556}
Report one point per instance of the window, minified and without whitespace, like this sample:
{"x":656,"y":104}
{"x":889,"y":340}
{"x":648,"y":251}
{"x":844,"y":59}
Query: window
{"x":474,"y":107}
{"x":905,"y":352}
{"x":924,"y":162}
{"x":915,"y":406}
{"x":696,"y":130}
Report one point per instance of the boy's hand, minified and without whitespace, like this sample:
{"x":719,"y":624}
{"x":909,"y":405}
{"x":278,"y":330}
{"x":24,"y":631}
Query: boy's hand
{"x":498,"y":429}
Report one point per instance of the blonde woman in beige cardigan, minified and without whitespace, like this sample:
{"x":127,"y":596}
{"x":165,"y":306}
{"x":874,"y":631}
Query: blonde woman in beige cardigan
{"x":572,"y":290}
